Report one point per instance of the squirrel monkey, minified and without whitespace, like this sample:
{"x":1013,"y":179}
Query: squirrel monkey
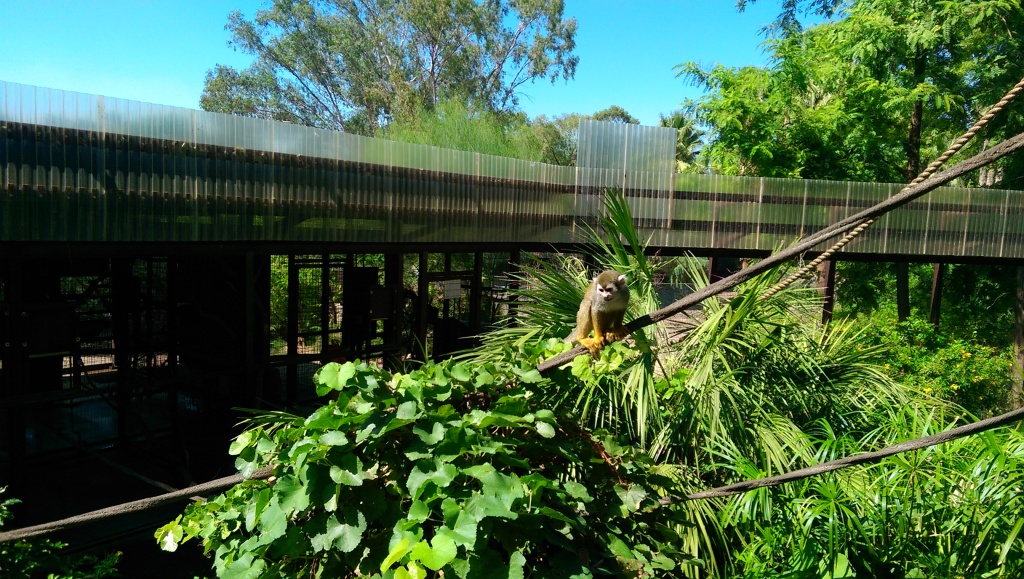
{"x":604,"y":303}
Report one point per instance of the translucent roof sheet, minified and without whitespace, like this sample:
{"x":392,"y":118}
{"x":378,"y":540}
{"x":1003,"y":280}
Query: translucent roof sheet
{"x":77,"y":167}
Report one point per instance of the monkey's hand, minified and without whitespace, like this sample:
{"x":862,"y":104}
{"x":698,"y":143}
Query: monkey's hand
{"x":593,"y":344}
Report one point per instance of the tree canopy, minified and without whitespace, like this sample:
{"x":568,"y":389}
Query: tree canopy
{"x":867,"y":96}
{"x":615,"y":114}
{"x":354,"y":64}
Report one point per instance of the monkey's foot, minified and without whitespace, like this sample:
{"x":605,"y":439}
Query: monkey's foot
{"x":592,"y":344}
{"x":615,"y":335}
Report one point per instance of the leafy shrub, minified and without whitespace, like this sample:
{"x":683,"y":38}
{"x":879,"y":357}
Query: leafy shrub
{"x":952,"y":510}
{"x":450,"y":468}
{"x":969,"y":373}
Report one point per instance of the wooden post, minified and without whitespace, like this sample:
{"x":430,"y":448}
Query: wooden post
{"x":476,"y":293}
{"x":446,"y":302}
{"x":424,"y":304}
{"x":393,"y":282}
{"x":291,"y":388}
{"x":829,"y":289}
{"x":1017,"y":384}
{"x":253,"y":377}
{"x":514,"y":259}
{"x":326,"y":305}
{"x":934,"y":310}
{"x":123,"y":298}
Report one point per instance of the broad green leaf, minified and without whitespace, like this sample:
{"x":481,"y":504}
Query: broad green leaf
{"x":553,"y":514}
{"x":415,"y":482}
{"x":631,"y":497}
{"x":483,"y":378}
{"x":397,"y":552}
{"x":479,"y":471}
{"x":516,"y":564}
{"x":327,"y":378}
{"x":407,"y":411}
{"x":437,"y":554}
{"x":410,"y":571}
{"x":273,"y":521}
{"x":245,"y":567}
{"x":333,"y":438}
{"x":253,"y":508}
{"x":460,"y":373}
{"x":349,"y":471}
{"x":335,"y":377}
{"x":545,"y":430}
{"x":169,"y":535}
{"x":343,"y":536}
{"x":505,"y":488}
{"x":619,"y":548}
{"x":350,"y":533}
{"x":435,"y":435}
{"x":246,"y":462}
{"x":418,"y":511}
{"x":240,"y":443}
{"x":442,"y":477}
{"x":463,"y":533}
{"x":577,"y":491}
{"x":481,"y":506}
{"x":291,"y":494}
{"x":265,"y":444}
{"x":530,"y":376}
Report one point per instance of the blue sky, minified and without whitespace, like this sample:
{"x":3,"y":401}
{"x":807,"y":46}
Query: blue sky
{"x":160,"y":51}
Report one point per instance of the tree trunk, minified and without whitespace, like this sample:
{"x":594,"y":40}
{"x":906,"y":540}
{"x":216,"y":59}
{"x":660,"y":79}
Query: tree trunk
{"x":1017,"y":385}
{"x":913,"y":148}
{"x":902,"y":291}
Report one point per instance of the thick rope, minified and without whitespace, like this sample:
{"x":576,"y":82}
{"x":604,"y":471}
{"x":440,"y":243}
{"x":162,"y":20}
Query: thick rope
{"x":866,"y":457}
{"x":723,"y":491}
{"x":931,"y":168}
{"x":206,"y":488}
{"x":861,"y":222}
{"x":843,"y":226}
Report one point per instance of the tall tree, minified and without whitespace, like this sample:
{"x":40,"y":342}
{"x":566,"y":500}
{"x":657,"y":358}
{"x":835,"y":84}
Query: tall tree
{"x":866,"y":96}
{"x":354,"y":64}
{"x":615,"y":114}
{"x":688,"y":139}
{"x":559,"y":137}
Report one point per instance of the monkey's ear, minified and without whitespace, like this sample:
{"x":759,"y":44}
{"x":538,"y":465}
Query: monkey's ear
{"x":622,"y":280}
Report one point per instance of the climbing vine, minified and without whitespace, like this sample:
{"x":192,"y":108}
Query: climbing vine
{"x":450,"y":468}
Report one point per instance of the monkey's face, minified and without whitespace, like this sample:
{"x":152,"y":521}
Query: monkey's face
{"x":607,"y":293}
{"x":610,"y":287}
